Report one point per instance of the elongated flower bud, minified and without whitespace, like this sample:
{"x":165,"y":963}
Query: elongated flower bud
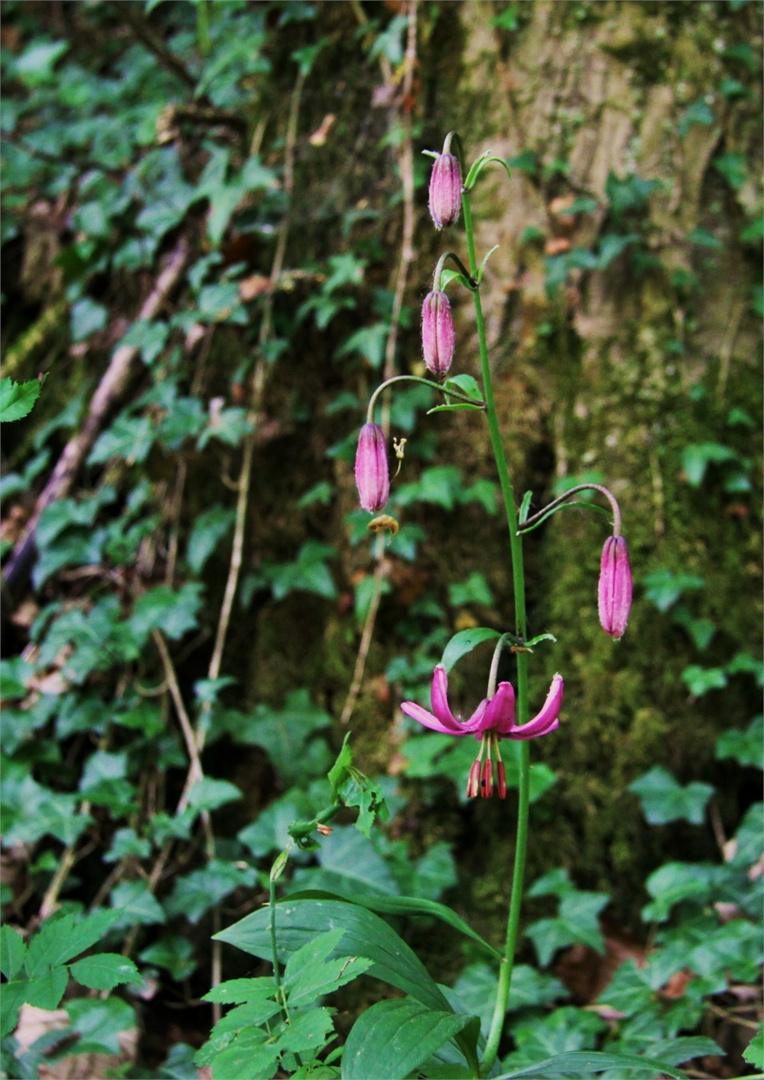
{"x":445,"y":190}
{"x":372,"y":476}
{"x":437,"y":333}
{"x":614,"y":593}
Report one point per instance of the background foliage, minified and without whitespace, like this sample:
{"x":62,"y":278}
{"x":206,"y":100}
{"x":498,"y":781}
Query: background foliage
{"x":214,"y":246}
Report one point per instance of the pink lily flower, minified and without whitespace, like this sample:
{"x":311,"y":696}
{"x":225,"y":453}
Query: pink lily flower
{"x":491,"y":721}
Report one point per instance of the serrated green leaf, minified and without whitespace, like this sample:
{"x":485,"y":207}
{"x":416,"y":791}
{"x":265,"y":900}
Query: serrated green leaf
{"x":310,"y":974}
{"x":104,"y":971}
{"x":46,"y":991}
{"x":237,"y":991}
{"x":754,"y":1052}
{"x":62,"y":938}
{"x":17,"y":399}
{"x":13,"y":998}
{"x":12,"y":951}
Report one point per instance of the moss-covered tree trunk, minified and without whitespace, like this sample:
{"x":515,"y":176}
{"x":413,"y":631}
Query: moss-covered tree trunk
{"x":635,"y":135}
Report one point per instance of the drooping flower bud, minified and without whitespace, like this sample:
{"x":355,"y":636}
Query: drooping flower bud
{"x":614,"y":593}
{"x":437,"y":333}
{"x":372,"y":476}
{"x":445,"y":190}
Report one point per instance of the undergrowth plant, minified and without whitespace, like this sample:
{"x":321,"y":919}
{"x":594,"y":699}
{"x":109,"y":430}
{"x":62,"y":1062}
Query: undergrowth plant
{"x":321,"y":939}
{"x":188,"y":596}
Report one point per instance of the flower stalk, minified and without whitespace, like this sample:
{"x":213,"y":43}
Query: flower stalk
{"x":518,"y":581}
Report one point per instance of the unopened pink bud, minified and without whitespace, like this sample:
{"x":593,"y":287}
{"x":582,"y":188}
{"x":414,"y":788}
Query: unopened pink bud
{"x":445,"y":190}
{"x":372,"y":476}
{"x":614,"y":593}
{"x":437,"y":333}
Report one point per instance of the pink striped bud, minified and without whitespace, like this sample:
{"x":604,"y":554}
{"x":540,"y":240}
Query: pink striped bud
{"x":445,"y":190}
{"x":614,"y":593}
{"x":437,"y":333}
{"x":371,"y":472}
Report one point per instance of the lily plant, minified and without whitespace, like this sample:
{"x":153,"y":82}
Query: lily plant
{"x":504,"y":712}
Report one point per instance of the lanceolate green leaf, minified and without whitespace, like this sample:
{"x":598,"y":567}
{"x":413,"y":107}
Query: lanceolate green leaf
{"x":464,"y":642}
{"x":299,"y":921}
{"x":392,"y":1038}
{"x":405,"y":905}
{"x":580,"y":1063}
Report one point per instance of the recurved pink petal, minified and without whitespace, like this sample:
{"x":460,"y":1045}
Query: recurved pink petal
{"x":439,"y":697}
{"x":422,"y":716}
{"x":547,"y":719}
{"x":500,"y":713}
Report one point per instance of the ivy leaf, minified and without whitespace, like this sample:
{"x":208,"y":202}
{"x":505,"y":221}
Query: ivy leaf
{"x":700,"y":680}
{"x":99,"y":1023}
{"x":209,"y":794}
{"x":743,"y":746}
{"x":87,"y":318}
{"x":173,"y":952}
{"x":197,"y":892}
{"x":698,"y":456}
{"x":133,"y":902}
{"x":128,"y":438}
{"x":172,"y":611}
{"x":17,"y":399}
{"x":664,"y":587}
{"x":664,"y":800}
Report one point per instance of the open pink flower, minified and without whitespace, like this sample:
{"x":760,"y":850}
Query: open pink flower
{"x":491,"y":721}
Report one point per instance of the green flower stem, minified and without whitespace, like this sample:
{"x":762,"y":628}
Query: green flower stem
{"x":518,"y":580}
{"x":539,"y":517}
{"x":426,"y":382}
